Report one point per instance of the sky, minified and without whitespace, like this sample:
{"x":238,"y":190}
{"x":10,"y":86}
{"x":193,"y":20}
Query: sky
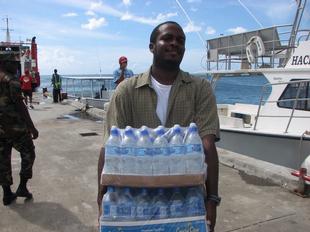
{"x":88,"y":36}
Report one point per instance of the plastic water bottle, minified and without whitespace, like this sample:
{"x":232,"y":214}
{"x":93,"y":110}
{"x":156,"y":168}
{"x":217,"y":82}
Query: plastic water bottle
{"x":128,"y":157}
{"x":126,"y":209}
{"x":160,"y":153}
{"x":194,"y":151}
{"x":177,"y":204}
{"x":109,"y":205}
{"x":112,"y":152}
{"x":143,"y":204}
{"x":144,"y":154}
{"x":177,"y":166}
{"x":194,"y":202}
{"x":160,"y":205}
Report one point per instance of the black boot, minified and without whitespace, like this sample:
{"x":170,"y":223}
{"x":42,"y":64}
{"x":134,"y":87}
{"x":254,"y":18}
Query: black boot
{"x":8,"y":195}
{"x":22,"y":190}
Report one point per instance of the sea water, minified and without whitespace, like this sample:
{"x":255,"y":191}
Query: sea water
{"x":228,"y":90}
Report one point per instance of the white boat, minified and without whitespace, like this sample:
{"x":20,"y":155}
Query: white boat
{"x":278,"y":129}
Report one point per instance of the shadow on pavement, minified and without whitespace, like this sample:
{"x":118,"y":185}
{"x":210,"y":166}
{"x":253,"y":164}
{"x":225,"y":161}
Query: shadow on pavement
{"x":51,"y":216}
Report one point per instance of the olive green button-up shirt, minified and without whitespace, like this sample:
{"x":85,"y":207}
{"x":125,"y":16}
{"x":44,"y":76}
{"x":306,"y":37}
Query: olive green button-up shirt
{"x":191,"y":99}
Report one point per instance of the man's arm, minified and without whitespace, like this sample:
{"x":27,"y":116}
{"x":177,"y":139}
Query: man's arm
{"x":25,"y":114}
{"x":101,"y":189}
{"x":119,"y":78}
{"x":211,"y":158}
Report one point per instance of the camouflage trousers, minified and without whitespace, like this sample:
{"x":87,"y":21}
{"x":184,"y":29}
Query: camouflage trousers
{"x":24,"y":145}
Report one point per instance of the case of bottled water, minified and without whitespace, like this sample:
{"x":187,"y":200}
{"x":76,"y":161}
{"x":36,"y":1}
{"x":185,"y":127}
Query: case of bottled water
{"x":149,"y":209}
{"x":154,"y":178}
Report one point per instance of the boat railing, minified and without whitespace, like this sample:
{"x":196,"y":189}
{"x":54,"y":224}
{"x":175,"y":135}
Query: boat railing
{"x":294,"y":100}
{"x":92,"y":86}
{"x":230,"y":52}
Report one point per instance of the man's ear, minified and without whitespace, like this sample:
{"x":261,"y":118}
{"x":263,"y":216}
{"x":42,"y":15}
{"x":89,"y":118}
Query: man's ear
{"x":151,"y":47}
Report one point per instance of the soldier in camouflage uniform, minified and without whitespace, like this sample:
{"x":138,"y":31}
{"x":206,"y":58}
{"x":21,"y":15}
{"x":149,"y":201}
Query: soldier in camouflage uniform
{"x":16,"y":130}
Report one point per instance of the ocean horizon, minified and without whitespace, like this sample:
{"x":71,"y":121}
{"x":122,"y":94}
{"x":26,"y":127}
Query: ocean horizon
{"x":228,"y":90}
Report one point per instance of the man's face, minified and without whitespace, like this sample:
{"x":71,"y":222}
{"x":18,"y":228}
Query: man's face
{"x":123,"y":65}
{"x":169,"y":47}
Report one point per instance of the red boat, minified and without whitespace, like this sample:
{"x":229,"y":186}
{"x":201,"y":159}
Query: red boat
{"x":26,"y":53}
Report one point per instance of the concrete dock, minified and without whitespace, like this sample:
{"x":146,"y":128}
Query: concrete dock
{"x":64,"y":183}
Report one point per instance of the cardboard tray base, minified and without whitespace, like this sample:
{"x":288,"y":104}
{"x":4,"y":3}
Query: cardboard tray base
{"x":152,"y":181}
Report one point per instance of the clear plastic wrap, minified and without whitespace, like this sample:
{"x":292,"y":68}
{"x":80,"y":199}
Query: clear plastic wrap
{"x":155,"y":180}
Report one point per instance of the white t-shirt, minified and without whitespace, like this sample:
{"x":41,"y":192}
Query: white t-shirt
{"x":162,"y":92}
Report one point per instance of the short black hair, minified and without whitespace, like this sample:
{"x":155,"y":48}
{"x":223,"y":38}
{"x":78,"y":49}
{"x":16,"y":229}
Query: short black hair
{"x":154,"y":33}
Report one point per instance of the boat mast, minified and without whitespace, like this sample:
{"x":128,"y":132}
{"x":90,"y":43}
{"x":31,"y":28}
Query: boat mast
{"x":8,"y":36}
{"x":301,"y":4}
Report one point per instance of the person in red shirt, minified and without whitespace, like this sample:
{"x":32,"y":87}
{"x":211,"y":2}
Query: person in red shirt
{"x":25,"y":81}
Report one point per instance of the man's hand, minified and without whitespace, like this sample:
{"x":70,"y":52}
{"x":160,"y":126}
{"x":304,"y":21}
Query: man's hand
{"x":121,"y":78}
{"x":211,"y":215}
{"x":34,"y":132}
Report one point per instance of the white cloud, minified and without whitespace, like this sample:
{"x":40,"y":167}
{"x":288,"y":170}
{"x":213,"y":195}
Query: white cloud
{"x":58,"y":56}
{"x":147,"y":3}
{"x":210,"y":31}
{"x":150,"y":21}
{"x":102,"y":8}
{"x":237,"y":30}
{"x":191,"y":27}
{"x":126,"y":16}
{"x":90,"y":13}
{"x":70,"y":14}
{"x":127,"y":2}
{"x":193,"y":1}
{"x":94,"y":23}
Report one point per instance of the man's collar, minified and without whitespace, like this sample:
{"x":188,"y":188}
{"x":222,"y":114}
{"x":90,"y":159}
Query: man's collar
{"x":145,"y":78}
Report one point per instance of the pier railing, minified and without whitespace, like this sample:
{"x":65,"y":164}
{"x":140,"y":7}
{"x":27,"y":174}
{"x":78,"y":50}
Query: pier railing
{"x":93,"y":90}
{"x":87,"y":86}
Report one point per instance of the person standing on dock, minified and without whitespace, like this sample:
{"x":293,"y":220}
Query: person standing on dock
{"x":122,"y":72}
{"x":56,"y":82}
{"x":26,"y":86}
{"x":16,"y":130}
{"x":166,"y":95}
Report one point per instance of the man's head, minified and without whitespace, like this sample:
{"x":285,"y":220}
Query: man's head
{"x":9,"y":62}
{"x":122,"y":62}
{"x":167,"y":43}
{"x":26,"y":71}
{"x":55,"y":71}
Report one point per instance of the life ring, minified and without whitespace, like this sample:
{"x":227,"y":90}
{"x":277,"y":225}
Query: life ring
{"x":260,"y":48}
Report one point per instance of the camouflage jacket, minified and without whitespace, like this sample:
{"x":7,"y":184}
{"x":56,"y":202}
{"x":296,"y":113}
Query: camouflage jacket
{"x":11,"y":123}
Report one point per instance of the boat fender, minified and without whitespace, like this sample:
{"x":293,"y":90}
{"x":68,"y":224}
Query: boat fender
{"x":260,"y":48}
